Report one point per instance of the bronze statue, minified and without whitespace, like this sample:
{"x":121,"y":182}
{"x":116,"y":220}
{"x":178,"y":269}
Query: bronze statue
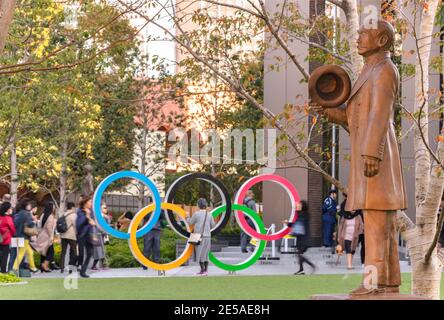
{"x":375,"y":184}
{"x":88,"y":181}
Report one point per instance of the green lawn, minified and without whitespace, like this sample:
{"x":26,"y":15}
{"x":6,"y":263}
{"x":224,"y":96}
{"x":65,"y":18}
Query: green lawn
{"x":223,"y":287}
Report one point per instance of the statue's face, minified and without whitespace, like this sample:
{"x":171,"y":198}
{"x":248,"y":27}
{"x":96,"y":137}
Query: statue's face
{"x":369,"y":41}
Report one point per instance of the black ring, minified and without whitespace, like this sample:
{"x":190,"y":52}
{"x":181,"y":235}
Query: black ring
{"x":169,"y":197}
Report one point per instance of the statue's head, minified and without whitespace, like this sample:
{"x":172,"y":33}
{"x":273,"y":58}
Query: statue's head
{"x":88,"y":168}
{"x":375,"y":37}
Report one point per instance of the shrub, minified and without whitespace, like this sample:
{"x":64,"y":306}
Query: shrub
{"x":119,"y":254}
{"x":9,"y":278}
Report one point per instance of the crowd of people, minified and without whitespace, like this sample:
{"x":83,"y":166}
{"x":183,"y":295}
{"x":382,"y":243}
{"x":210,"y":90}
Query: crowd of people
{"x":80,"y":239}
{"x":22,"y":233}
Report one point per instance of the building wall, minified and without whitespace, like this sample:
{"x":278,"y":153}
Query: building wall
{"x":282,"y":86}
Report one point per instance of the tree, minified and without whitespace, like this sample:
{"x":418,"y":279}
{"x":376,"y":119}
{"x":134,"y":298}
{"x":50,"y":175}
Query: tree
{"x":63,"y":63}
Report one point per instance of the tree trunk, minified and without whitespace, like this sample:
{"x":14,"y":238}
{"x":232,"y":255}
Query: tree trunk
{"x":14,"y":174}
{"x":426,"y":275}
{"x":351,"y":14}
{"x":63,"y":180}
{"x":143,"y":162}
{"x":6,"y":14}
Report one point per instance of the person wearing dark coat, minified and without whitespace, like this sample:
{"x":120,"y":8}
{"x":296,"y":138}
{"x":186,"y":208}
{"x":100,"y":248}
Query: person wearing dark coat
{"x":300,"y":231}
{"x":84,"y":225}
{"x":22,"y":219}
{"x":151,"y":241}
{"x":329,"y":218}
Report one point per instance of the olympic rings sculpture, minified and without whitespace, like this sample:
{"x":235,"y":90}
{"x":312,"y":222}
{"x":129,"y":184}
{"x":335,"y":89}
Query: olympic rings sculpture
{"x":169,"y":208}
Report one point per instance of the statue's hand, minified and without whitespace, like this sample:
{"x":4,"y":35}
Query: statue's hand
{"x":371,"y":166}
{"x":316,"y":108}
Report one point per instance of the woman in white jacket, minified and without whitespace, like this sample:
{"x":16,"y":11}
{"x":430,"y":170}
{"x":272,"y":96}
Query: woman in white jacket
{"x":45,"y":238}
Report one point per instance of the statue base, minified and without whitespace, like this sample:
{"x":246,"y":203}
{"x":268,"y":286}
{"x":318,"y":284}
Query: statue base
{"x":382,"y":296}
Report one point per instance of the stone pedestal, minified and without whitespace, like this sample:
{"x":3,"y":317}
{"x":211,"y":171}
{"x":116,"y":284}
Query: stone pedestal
{"x":384,"y":296}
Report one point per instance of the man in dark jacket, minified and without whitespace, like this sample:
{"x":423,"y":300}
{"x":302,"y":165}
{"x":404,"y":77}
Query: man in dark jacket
{"x":151,"y":240}
{"x":329,"y":218}
{"x":22,"y":219}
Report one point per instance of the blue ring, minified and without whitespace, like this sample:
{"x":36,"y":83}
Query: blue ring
{"x":97,"y":202}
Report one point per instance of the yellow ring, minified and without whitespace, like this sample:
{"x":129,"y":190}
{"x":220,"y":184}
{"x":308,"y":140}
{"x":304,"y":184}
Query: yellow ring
{"x":132,"y":242}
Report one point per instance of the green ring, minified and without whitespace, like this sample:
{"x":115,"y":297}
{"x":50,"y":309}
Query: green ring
{"x":257,"y":251}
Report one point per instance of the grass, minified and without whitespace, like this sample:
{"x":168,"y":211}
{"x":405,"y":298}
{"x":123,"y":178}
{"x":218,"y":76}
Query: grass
{"x":214,"y":288}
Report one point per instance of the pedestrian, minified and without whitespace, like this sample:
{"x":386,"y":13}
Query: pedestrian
{"x":24,"y":228}
{"x":244,"y":237}
{"x":151,"y":241}
{"x":84,"y":226}
{"x":6,"y":198}
{"x":99,"y":253}
{"x":124,"y":221}
{"x":203,"y":222}
{"x":350,"y":227}
{"x":329,"y":218}
{"x":299,"y":229}
{"x":7,"y":230}
{"x":44,"y":243}
{"x":361,"y":241}
{"x":69,"y":238}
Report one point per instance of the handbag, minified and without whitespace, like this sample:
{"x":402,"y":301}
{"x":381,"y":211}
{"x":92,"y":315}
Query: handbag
{"x":94,"y":237}
{"x":195,"y":237}
{"x":106,"y":239}
{"x":31,"y":231}
{"x":298,"y":228}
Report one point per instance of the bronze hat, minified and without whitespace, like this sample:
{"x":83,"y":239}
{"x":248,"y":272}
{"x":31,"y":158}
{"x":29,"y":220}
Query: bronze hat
{"x":329,"y":86}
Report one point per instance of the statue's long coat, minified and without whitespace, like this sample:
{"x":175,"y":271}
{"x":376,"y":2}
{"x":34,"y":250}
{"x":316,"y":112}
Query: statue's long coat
{"x":368,"y":117}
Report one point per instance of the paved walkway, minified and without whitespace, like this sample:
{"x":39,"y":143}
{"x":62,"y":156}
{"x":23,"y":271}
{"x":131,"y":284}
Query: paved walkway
{"x":187,"y":271}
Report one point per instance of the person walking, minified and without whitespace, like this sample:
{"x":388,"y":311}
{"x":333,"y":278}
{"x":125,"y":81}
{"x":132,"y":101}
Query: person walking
{"x":244,"y":237}
{"x":151,"y":241}
{"x":99,"y":253}
{"x":299,"y":229}
{"x":69,"y":238}
{"x":361,"y":240}
{"x":329,"y":218}
{"x":7,"y":230}
{"x":44,"y":243}
{"x":350,"y":227}
{"x":6,"y":198}
{"x":203,"y":222}
{"x":23,"y":229}
{"x":84,"y":225}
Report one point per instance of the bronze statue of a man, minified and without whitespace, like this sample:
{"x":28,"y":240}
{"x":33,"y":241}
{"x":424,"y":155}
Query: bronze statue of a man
{"x":375,"y":184}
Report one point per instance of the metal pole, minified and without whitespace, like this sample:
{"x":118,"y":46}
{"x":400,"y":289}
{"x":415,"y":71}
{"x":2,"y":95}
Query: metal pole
{"x":333,"y":128}
{"x":273,"y":246}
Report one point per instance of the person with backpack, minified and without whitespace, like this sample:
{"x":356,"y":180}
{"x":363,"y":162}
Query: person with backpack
{"x":7,"y":230}
{"x":44,"y":243}
{"x":245,"y":238}
{"x":66,"y":227}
